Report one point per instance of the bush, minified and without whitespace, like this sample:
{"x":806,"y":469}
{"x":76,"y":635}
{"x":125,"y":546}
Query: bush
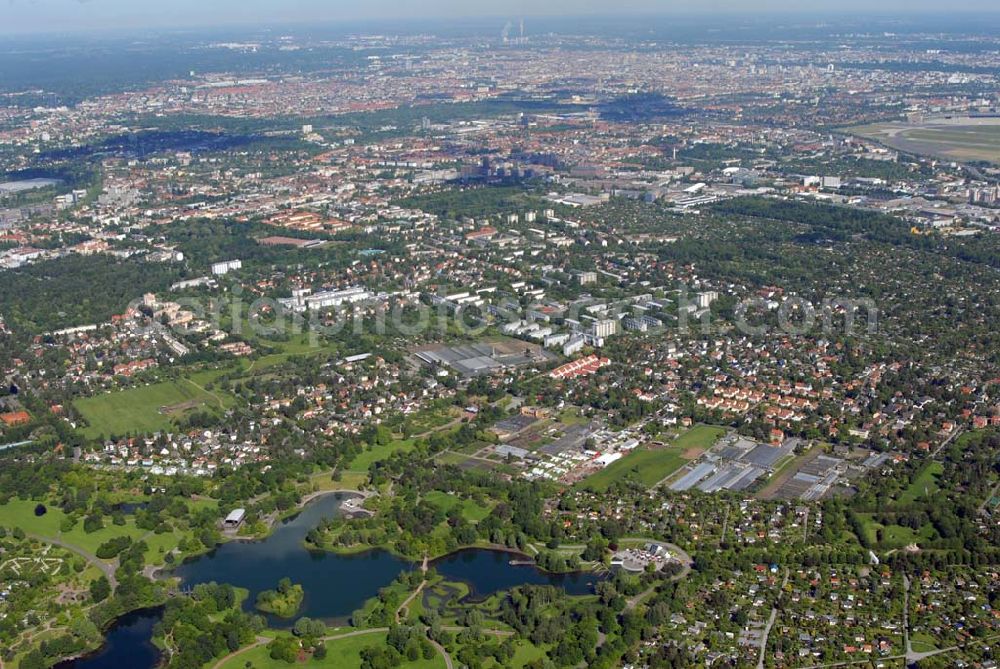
{"x":113,"y":547}
{"x":100,"y":589}
{"x":93,"y":524}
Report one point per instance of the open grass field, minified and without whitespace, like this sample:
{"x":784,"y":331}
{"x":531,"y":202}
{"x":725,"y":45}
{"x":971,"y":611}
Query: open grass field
{"x":650,"y":466}
{"x":348,"y":481}
{"x":302,"y":344}
{"x":647,"y":466}
{"x":432,"y":420}
{"x":925,"y":485}
{"x":379,"y":452}
{"x":451,"y":458}
{"x":572,"y":416}
{"x":471,"y":511}
{"x":21,"y":513}
{"x":923,"y":643}
{"x":146,"y":409}
{"x":959,"y":139}
{"x":895,"y":536}
{"x":341,"y":654}
{"x":699,"y":436}
{"x":524,"y":654}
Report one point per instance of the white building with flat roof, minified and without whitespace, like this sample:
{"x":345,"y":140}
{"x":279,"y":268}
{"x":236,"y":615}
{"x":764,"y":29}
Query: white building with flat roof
{"x":305,"y":300}
{"x":235,"y":518}
{"x":222,"y":268}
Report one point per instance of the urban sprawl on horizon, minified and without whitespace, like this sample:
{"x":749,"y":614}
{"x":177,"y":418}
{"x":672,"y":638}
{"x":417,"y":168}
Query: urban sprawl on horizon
{"x":526,"y":343}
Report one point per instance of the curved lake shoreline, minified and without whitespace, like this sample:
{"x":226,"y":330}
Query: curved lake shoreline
{"x":361,"y":549}
{"x":128,"y":642}
{"x":335,"y":584}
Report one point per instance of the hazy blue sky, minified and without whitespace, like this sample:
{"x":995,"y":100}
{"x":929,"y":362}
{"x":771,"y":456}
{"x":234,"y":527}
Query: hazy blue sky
{"x":59,"y":15}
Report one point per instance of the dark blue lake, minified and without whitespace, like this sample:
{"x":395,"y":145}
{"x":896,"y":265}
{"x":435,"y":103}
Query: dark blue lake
{"x":335,"y":585}
{"x":128,"y":644}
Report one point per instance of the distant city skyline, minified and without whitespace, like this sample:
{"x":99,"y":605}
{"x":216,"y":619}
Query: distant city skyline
{"x":41,"y":16}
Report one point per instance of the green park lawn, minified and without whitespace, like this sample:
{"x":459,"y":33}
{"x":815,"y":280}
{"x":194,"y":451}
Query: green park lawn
{"x":146,"y":409}
{"x":378,"y":453}
{"x":924,"y":485}
{"x":526,"y":653}
{"x":895,"y":536}
{"x":341,"y":654}
{"x":21,"y":513}
{"x":348,"y":480}
{"x":471,"y":511}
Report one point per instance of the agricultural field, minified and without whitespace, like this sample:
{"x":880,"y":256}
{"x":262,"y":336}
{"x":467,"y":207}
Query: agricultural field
{"x":961,"y":140}
{"x":451,"y":458}
{"x":146,"y":409}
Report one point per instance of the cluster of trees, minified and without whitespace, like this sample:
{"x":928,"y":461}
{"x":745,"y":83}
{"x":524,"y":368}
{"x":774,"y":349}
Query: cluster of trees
{"x":100,"y":589}
{"x":82,"y":634}
{"x":205,"y":626}
{"x":78,"y":289}
{"x":403,"y":643}
{"x":946,"y":521}
{"x":546,"y":616}
{"x":454,"y":204}
{"x":557,"y":562}
{"x":134,"y":590}
{"x":113,"y":547}
{"x":204,"y":241}
{"x":381,"y":611}
{"x":308,"y":638}
{"x":283,"y":601}
{"x":841,"y":223}
{"x":26,"y":479}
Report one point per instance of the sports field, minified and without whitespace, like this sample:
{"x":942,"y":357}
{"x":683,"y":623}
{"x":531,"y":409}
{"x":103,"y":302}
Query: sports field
{"x":953,"y":139}
{"x":146,"y":409}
